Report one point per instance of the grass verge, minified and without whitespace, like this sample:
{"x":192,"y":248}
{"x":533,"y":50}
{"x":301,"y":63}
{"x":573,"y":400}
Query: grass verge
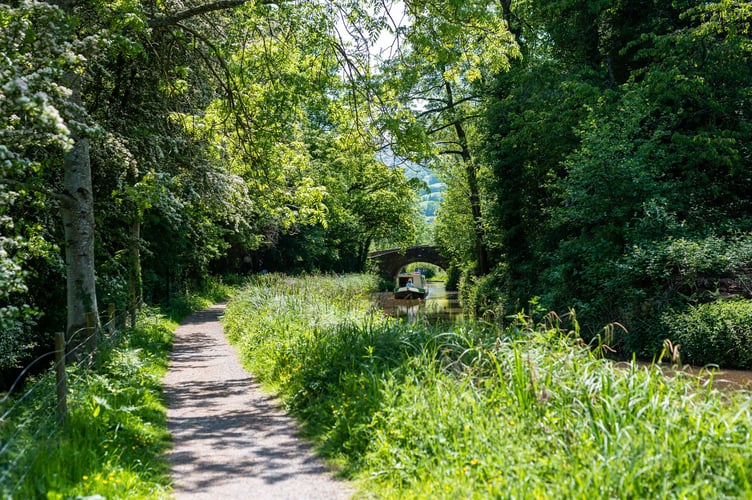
{"x":115,"y":437}
{"x":415,"y":410}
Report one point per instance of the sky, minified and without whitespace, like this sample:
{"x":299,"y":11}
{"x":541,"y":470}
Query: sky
{"x":386,"y":44}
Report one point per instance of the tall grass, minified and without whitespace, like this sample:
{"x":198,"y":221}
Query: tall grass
{"x":414,"y":410}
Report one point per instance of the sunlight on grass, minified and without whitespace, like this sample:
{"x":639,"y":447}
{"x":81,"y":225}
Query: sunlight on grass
{"x":115,"y":438}
{"x":414,"y":410}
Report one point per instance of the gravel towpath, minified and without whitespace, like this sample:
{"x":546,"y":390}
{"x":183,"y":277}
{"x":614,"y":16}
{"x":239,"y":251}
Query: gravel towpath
{"x":230,"y":440}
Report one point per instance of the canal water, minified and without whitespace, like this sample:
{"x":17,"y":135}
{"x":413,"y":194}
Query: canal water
{"x":439,"y":305}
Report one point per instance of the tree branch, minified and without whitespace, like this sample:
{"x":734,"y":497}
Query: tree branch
{"x":225,"y":83}
{"x":442,"y":127}
{"x":447,"y":106}
{"x":161,"y":22}
{"x":61,"y":197}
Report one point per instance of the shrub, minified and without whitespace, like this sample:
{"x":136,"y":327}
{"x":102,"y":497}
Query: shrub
{"x":484,"y":295}
{"x":452,"y":279}
{"x":718,"y":332}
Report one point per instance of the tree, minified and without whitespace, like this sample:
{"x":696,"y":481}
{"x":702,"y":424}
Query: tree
{"x":454,"y":217}
{"x":375,"y":202}
{"x":617,"y":156}
{"x":32,"y":122}
{"x":165,"y":137}
{"x":439,"y":78}
{"x":670,"y":166}
{"x":113,"y":40}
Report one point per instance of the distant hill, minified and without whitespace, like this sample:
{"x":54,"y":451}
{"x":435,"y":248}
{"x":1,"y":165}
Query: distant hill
{"x":429,"y":200}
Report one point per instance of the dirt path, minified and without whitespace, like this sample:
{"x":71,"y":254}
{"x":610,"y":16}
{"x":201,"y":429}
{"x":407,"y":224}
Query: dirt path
{"x":230,"y":440}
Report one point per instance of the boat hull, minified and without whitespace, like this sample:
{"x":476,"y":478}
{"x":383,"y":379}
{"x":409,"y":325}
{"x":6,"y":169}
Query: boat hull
{"x":410,"y":293}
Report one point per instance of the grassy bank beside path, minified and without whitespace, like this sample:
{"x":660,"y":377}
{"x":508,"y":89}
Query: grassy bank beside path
{"x":414,"y":410}
{"x":114,"y":442}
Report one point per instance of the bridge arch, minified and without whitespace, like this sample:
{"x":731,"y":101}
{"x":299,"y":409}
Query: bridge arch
{"x":389,"y":262}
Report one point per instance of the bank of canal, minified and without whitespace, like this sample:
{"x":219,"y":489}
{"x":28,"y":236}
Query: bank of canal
{"x":441,"y":305}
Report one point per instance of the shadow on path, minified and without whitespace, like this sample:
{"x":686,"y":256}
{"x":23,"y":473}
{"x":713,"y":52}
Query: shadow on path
{"x":230,"y":440}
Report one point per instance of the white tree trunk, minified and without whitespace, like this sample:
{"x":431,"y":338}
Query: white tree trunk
{"x":78,"y":221}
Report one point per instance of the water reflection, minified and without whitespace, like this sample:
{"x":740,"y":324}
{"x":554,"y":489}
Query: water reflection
{"x":439,"y":305}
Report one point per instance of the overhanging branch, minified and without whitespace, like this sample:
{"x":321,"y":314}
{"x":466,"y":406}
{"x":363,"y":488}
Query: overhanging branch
{"x":160,"y":22}
{"x":442,"y":127}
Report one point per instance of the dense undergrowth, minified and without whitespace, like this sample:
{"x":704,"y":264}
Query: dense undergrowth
{"x":114,"y":441}
{"x":416,"y":410}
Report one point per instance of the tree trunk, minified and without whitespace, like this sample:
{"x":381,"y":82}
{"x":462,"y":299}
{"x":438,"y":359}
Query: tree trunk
{"x":78,"y":223}
{"x":472,"y":184}
{"x":363,"y":254}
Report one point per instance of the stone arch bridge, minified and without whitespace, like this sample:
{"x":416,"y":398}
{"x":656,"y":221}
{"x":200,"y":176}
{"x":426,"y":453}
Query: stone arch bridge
{"x":389,"y":262}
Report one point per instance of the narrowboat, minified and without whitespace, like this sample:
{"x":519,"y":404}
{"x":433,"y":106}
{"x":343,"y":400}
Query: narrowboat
{"x":410,"y":286}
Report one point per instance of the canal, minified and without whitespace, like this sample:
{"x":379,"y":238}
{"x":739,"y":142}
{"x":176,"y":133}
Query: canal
{"x":439,"y":305}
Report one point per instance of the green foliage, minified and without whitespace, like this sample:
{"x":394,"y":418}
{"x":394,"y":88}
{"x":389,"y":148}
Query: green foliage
{"x":484,"y":296}
{"x":245,"y":139}
{"x":419,"y":411}
{"x":210,"y":292}
{"x":320,"y":197}
{"x":618,"y":157}
{"x":434,"y":88}
{"x":32,"y":108}
{"x":366,"y":203}
{"x":689,"y":265}
{"x":453,"y":279}
{"x":454,"y":221}
{"x":718,"y":333}
{"x":189,"y":176}
{"x":531,"y":132}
